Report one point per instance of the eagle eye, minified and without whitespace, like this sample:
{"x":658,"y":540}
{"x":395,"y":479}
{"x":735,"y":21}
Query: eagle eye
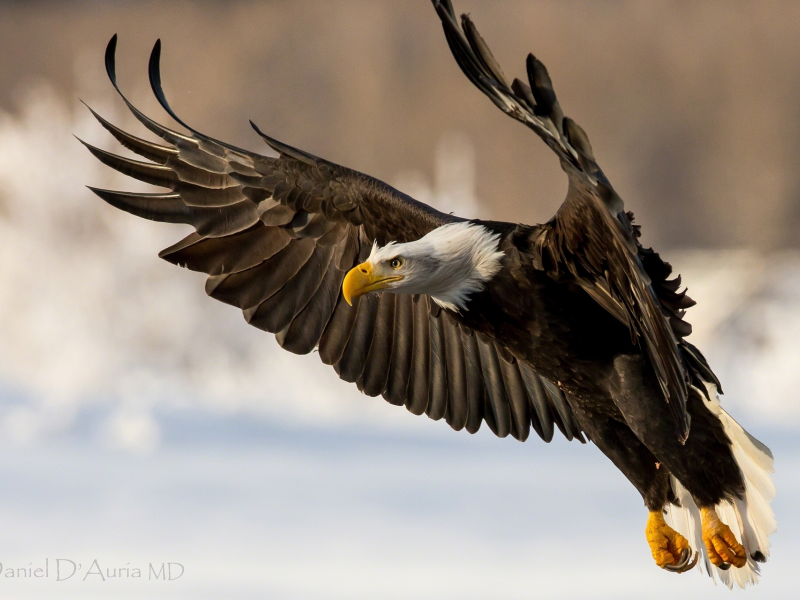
{"x":396,"y":263}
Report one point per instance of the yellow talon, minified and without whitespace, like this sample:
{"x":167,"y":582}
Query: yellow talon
{"x":722,"y":545}
{"x":670,"y":549}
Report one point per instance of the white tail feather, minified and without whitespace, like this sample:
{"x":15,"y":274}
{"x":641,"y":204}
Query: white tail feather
{"x":751,"y":519}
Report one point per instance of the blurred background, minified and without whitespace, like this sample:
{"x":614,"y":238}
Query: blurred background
{"x":141,"y":422}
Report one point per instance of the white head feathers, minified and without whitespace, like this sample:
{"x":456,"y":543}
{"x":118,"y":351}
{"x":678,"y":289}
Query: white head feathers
{"x":449,"y":264}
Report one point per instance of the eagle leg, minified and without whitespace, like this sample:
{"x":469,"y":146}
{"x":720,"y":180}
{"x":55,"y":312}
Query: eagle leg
{"x":670,"y":549}
{"x":723,"y":548}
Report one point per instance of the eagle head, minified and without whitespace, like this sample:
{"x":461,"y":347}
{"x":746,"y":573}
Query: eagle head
{"x":448,"y":264}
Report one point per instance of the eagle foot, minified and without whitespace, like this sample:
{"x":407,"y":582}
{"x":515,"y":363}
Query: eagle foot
{"x":670,"y":549}
{"x":723,"y":548}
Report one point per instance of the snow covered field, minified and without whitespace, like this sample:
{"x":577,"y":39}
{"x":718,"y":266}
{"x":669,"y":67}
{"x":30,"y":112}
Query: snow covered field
{"x":141,"y":422}
{"x":251,"y":510}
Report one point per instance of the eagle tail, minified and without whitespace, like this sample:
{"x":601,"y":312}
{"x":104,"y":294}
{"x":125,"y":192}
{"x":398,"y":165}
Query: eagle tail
{"x":751,"y":519}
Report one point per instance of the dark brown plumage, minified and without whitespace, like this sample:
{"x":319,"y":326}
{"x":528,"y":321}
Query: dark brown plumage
{"x":581,"y":329}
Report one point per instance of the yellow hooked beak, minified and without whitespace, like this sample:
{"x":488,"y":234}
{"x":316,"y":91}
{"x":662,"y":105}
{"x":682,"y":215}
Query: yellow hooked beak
{"x":360,"y":280}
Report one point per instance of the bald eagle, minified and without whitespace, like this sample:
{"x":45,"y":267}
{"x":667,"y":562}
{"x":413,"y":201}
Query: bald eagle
{"x":570,"y":325}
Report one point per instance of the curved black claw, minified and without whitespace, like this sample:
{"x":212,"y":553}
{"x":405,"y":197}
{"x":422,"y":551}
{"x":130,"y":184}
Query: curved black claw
{"x":724,"y":566}
{"x":684,"y":563}
{"x":685,"y":556}
{"x":691,"y":565}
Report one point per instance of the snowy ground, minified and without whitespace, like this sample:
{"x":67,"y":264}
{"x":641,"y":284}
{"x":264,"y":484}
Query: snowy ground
{"x":254,"y":511}
{"x":141,"y":422}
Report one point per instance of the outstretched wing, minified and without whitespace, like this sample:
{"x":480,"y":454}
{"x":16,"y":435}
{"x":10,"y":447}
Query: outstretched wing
{"x":591,"y":237}
{"x":277,"y":236}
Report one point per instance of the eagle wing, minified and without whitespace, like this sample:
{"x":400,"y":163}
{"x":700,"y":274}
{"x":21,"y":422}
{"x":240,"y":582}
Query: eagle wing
{"x":277,"y":236}
{"x":591,"y":238}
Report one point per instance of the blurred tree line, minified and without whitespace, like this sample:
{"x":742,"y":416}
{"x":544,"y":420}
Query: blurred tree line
{"x":692,"y":108}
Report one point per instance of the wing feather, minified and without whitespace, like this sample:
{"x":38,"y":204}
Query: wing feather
{"x":541,"y":417}
{"x":457,"y":406}
{"x":376,"y":369}
{"x":402,"y":344}
{"x":475,"y":391}
{"x":437,"y":370}
{"x":334,"y":340}
{"x":354,"y":358}
{"x":417,"y":400}
{"x":306,"y":329}
{"x":230,"y":254}
{"x":148,"y":172}
{"x":149,"y":150}
{"x":497,"y":403}
{"x":248,"y":289}
{"x":517,"y":398}
{"x":277,"y":312}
